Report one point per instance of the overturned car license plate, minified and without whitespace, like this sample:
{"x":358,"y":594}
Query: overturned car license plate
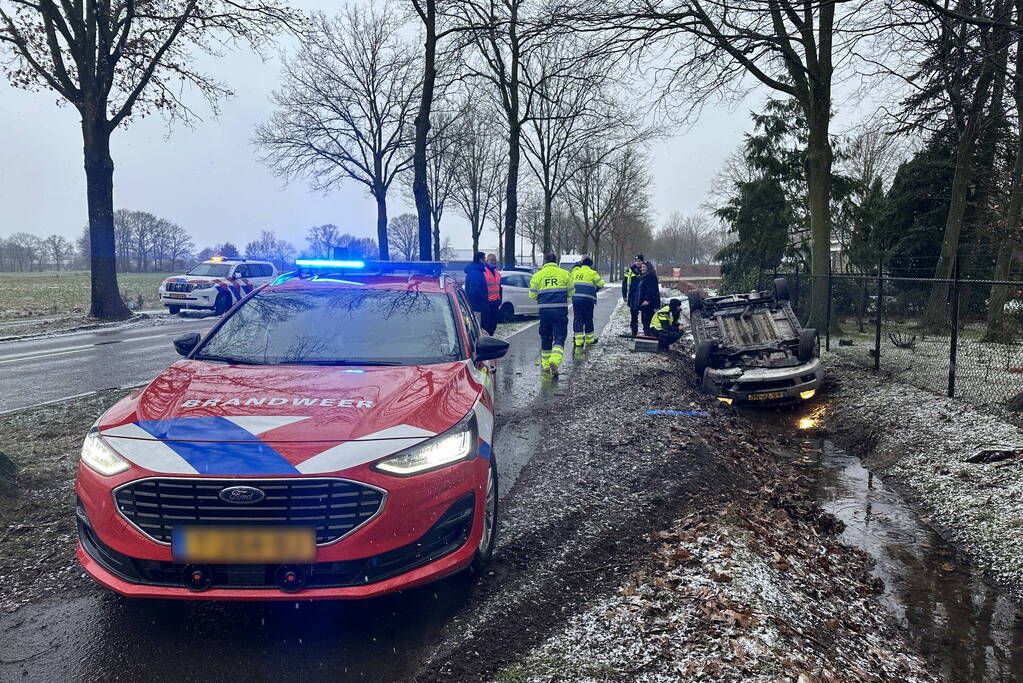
{"x":766,"y":396}
{"x":243,"y":545}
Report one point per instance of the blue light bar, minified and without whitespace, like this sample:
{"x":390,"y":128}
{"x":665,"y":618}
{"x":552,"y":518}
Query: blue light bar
{"x":328,"y":263}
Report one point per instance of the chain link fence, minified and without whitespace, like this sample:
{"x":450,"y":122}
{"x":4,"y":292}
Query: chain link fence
{"x":973,"y":350}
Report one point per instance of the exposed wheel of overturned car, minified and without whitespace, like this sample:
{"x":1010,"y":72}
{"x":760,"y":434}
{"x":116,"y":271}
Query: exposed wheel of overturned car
{"x":695,"y":300}
{"x":807,"y":344}
{"x":781,"y":289}
{"x":702,"y":359}
{"x":486,"y":550}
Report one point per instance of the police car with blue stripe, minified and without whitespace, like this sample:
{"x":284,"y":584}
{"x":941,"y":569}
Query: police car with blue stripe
{"x":215,"y":284}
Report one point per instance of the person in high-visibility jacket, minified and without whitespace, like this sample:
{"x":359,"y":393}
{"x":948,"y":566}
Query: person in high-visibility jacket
{"x":587,"y":283}
{"x":667,"y":324}
{"x":552,"y":288}
{"x":492,"y":314}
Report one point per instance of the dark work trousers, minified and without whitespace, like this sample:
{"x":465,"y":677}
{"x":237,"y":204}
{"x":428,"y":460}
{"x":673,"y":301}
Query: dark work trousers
{"x":634,"y":320}
{"x":490,"y":316}
{"x":582,"y":316}
{"x":666,"y":338}
{"x":553,"y":329}
{"x":646,"y":313}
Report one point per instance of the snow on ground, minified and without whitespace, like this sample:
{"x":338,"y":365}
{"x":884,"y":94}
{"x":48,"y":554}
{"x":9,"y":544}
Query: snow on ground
{"x":987,"y":373}
{"x":640,"y":547}
{"x":922,"y":441}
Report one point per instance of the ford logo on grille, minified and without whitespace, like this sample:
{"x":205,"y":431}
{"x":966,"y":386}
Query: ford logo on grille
{"x":242,"y":495}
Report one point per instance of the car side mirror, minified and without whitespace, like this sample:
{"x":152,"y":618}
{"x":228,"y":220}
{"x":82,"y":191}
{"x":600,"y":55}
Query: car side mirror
{"x":490,"y":348}
{"x":186,"y":343}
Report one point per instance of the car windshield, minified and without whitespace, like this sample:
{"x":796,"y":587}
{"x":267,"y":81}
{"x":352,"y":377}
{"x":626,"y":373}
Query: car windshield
{"x":337,"y":327}
{"x":211,"y":270}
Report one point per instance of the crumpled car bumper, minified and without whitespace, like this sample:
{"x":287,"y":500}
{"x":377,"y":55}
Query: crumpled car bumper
{"x":765,"y":384}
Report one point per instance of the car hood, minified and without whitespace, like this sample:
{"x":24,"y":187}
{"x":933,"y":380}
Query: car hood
{"x":208,"y":418}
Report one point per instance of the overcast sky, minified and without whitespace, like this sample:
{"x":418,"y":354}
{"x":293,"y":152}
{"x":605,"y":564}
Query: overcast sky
{"x":209,"y":179}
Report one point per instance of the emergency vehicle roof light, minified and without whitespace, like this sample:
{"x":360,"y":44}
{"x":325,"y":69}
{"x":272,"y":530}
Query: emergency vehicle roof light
{"x":328,"y":263}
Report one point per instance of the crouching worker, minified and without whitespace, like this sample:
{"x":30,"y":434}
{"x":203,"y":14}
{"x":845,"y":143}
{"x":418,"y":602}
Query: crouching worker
{"x":667,"y":324}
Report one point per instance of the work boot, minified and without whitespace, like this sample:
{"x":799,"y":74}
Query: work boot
{"x":556,"y":354}
{"x":554,"y":369}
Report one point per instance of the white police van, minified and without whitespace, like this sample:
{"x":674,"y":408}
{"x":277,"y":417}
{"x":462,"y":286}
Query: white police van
{"x":215,"y":284}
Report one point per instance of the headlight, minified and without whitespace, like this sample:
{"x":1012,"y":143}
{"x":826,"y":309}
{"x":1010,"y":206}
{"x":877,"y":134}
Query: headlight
{"x":202,"y":285}
{"x":455,"y":445}
{"x":101,"y":457}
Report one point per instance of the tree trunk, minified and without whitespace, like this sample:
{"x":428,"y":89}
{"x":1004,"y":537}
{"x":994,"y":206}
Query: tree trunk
{"x":436,"y":236}
{"x":548,"y":201}
{"x":99,"y":177}
{"x":512,"y":193}
{"x":936,"y":314}
{"x":819,"y":157}
{"x":380,"y":195}
{"x":420,"y":190}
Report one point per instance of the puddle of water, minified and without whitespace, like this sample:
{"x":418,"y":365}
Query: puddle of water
{"x":968,"y":629}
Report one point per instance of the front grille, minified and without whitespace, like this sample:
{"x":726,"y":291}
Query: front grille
{"x":448,"y":534}
{"x":765,"y":385}
{"x":177,"y":287}
{"x":335,"y":507}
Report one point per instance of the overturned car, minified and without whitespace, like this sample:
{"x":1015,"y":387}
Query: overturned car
{"x":751,"y":348}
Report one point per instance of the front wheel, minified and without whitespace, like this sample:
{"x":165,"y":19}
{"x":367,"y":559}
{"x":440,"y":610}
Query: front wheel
{"x":222,"y":304}
{"x":486,"y":550}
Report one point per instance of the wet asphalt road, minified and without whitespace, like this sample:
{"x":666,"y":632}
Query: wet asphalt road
{"x":35,"y":371}
{"x":104,"y":637}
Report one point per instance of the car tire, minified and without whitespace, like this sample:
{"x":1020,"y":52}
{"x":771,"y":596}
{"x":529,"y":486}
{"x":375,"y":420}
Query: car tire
{"x":702,"y":358}
{"x":695,"y":301}
{"x":485,"y":552}
{"x":507,"y":312}
{"x":781,"y":289}
{"x":174,"y":310}
{"x":222,"y":304}
{"x":807,"y":344}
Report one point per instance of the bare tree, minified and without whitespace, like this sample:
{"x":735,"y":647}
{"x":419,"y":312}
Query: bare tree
{"x":710,"y":47}
{"x":56,"y":248}
{"x":480,"y":171}
{"x":322,"y":239}
{"x":610,"y":187}
{"x":571,"y":108}
{"x":504,"y":37}
{"x":269,"y":247}
{"x":115,"y":59}
{"x":403,"y":234}
{"x":345,"y":107}
{"x":441,"y":169}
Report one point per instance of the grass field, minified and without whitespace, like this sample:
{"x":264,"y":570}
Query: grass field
{"x":34,"y":295}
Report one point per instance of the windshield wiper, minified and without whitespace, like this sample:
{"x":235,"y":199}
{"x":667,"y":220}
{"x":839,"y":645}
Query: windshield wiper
{"x":226,"y":359}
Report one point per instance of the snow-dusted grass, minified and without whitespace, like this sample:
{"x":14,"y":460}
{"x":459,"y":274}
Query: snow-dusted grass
{"x":987,"y":373}
{"x":50,"y":293}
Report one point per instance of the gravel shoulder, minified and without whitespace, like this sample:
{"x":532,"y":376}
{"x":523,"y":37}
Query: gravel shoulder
{"x":664,"y":548}
{"x":961,"y":464}
{"x":37,"y":543}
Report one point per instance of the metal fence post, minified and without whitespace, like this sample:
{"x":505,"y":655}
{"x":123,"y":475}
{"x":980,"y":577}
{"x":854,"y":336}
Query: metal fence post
{"x":954,"y":342}
{"x":827,"y":318}
{"x":877,"y":321}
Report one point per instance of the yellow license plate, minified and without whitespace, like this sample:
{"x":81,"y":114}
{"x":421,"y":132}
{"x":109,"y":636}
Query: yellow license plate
{"x":766,"y":396}
{"x":244,"y":545}
{"x":176,"y":296}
